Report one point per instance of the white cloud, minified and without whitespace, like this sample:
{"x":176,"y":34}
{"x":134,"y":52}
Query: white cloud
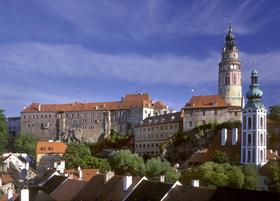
{"x":158,"y":17}
{"x":75,"y":61}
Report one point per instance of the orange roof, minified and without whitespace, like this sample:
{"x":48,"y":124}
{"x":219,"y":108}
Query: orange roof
{"x":45,"y":147}
{"x":129,"y":101}
{"x":159,"y":105}
{"x":87,"y":174}
{"x":206,"y":102}
{"x":6,"y":178}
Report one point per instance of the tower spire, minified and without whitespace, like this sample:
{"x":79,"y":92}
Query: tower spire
{"x":229,"y":24}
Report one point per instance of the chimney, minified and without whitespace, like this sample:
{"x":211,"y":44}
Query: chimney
{"x":234,"y":136}
{"x":80,"y":175}
{"x":108,"y":176}
{"x":10,"y":195}
{"x":24,"y":195}
{"x":195,"y":183}
{"x":162,"y":178}
{"x":39,"y":107}
{"x":55,"y":165}
{"x":224,"y":137}
{"x":127,"y":182}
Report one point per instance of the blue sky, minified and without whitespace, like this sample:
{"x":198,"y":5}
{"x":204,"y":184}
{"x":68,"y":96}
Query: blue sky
{"x":65,"y":50}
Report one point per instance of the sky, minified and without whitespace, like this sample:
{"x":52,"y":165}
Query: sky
{"x":82,"y":50}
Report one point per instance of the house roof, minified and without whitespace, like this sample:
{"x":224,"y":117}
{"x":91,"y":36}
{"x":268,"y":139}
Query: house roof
{"x":112,"y":190}
{"x":36,"y":194}
{"x":211,"y":101}
{"x":6,"y":178}
{"x":67,"y":190}
{"x":87,"y":174}
{"x":160,"y":105}
{"x":162,"y":119}
{"x":129,"y":101}
{"x":53,"y":183}
{"x":182,"y":193}
{"x":45,"y":147}
{"x":149,"y":190}
{"x":233,"y":194}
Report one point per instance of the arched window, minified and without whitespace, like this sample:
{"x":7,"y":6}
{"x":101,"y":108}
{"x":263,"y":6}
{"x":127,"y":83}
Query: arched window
{"x":261,"y":139}
{"x":261,"y":123}
{"x":261,"y":155}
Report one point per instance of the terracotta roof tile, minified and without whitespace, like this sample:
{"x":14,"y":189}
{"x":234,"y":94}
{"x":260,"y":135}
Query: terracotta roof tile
{"x":206,"y":102}
{"x":87,"y":174}
{"x":45,"y":147}
{"x":129,"y":101}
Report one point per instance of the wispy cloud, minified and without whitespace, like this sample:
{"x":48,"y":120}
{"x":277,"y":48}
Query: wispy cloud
{"x":75,"y":61}
{"x":145,"y":18}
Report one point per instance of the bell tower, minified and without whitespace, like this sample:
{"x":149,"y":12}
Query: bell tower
{"x":229,"y":84}
{"x":254,"y":135}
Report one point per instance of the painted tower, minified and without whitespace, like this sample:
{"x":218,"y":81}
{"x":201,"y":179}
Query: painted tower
{"x":254,"y":135}
{"x":229,"y":85}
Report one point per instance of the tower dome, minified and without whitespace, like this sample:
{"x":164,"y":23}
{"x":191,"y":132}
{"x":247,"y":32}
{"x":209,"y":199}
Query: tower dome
{"x":254,"y":94}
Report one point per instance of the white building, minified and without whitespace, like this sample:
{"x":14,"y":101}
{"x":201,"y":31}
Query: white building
{"x":254,"y":134}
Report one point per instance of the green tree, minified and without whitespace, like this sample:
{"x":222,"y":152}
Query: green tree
{"x":102,"y":164}
{"x":216,"y":174}
{"x":26,"y":143}
{"x":156,"y":167}
{"x":274,"y":176}
{"x":3,"y":132}
{"x":250,"y":177}
{"x":123,"y":162}
{"x":77,"y":154}
{"x":220,"y":157}
{"x":274,"y":112}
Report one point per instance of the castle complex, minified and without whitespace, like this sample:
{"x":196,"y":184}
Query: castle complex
{"x":89,"y":121}
{"x":226,"y":106}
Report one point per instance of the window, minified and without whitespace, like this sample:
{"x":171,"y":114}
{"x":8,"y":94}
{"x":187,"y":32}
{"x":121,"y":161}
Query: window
{"x":203,"y":113}
{"x":190,"y":124}
{"x":249,"y":139}
{"x":261,"y":139}
{"x":249,"y":122}
{"x":261,"y":156}
{"x":249,"y":156}
{"x":216,"y":112}
{"x":203,"y":122}
{"x":244,"y":156}
{"x":261,"y":123}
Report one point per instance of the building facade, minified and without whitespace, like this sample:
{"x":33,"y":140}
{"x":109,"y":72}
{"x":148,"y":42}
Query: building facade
{"x":49,"y":155}
{"x":202,"y":110}
{"x":153,"y":131}
{"x":254,"y":134}
{"x":230,"y":80}
{"x":88,"y":121}
{"x":13,"y":126}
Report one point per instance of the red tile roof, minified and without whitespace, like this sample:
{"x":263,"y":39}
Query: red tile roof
{"x":87,"y":174}
{"x":206,"y":102}
{"x":129,"y":101}
{"x":45,"y":147}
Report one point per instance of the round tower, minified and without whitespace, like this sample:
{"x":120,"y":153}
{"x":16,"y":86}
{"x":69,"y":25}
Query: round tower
{"x":229,"y":84}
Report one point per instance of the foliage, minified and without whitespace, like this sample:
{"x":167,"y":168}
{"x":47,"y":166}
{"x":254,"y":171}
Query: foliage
{"x":26,"y":143}
{"x":182,"y":145}
{"x":98,"y":163}
{"x":250,"y":177}
{"x":3,"y":132}
{"x":220,"y":157}
{"x":113,"y":141}
{"x":123,"y":162}
{"x":274,"y":176}
{"x":156,"y":167}
{"x":77,"y":154}
{"x":215,"y":174}
{"x":274,"y":112}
